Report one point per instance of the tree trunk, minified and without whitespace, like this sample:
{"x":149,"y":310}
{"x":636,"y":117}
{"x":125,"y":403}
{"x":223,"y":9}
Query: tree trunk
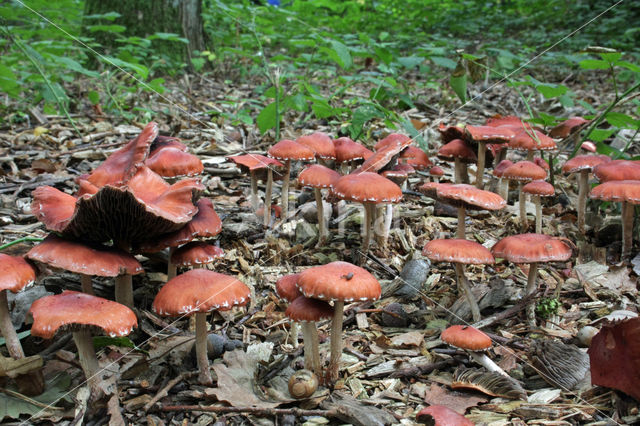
{"x":143,"y":18}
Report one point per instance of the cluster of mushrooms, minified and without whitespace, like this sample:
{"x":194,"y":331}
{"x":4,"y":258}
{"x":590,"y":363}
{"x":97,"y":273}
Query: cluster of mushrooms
{"x":145,"y":198}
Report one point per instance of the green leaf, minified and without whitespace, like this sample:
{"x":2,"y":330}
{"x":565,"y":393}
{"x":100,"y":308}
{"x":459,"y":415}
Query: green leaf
{"x":594,"y":64}
{"x":621,"y":120}
{"x":628,"y":65}
{"x":443,"y":62}
{"x":612,"y":57}
{"x":598,"y":135}
{"x":322,"y":109}
{"x":341,"y":54}
{"x":74,"y":65}
{"x":155,"y":85}
{"x":383,"y":54}
{"x":113,"y":28}
{"x":100,"y":342}
{"x":168,"y":37}
{"x":410,"y":61}
{"x":109,"y":16}
{"x":141,"y":70}
{"x":8,"y":82}
{"x":458,"y":82}
{"x":267,"y":118}
{"x":296,"y":102}
{"x":551,"y":90}
{"x":94,"y":97}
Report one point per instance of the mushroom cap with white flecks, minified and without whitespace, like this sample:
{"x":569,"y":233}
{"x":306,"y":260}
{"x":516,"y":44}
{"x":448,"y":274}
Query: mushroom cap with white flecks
{"x":618,"y":190}
{"x":339,"y":281}
{"x":539,"y":187}
{"x":287,"y":149}
{"x":458,"y":250}
{"x":318,"y":176}
{"x":584,"y":162}
{"x":74,"y":310}
{"x":532,"y":248}
{"x":200,"y":290}
{"x":367,"y":187}
{"x":15,"y":273}
{"x":196,"y":253}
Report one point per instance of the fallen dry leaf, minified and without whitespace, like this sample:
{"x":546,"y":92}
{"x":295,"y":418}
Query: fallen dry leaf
{"x":457,"y":401}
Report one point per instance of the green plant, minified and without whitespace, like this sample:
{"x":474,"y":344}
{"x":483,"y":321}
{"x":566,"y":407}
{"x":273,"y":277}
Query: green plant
{"x":547,"y":307}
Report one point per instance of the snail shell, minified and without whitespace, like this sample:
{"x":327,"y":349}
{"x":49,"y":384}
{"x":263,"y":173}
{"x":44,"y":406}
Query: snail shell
{"x":302,"y":384}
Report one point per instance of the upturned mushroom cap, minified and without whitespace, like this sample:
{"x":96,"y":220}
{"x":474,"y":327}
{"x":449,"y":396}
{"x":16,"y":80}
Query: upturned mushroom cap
{"x":287,"y":287}
{"x":15,"y":273}
{"x":459,"y":149}
{"x":618,"y":190}
{"x":173,"y":162}
{"x":463,"y":195}
{"x":584,"y":162}
{"x":458,"y":251}
{"x":200,"y":290}
{"x":367,"y":187}
{"x":384,"y":155}
{"x":196,"y":253}
{"x":524,"y":171}
{"x":449,"y":133}
{"x":531,"y":248}
{"x":617,"y":170}
{"x":318,"y":176}
{"x":531,"y":140}
{"x":80,"y":258}
{"x":348,"y":150}
{"x":320,"y":143}
{"x":287,"y":149}
{"x":255,"y":161}
{"x":466,"y":337}
{"x":415,"y":157}
{"x":339,"y":281}
{"x":72,"y":309}
{"x":568,"y":127}
{"x":439,"y":415}
{"x":306,"y":309}
{"x":540,"y":188}
{"x":489,"y":134}
{"x":393,"y":139}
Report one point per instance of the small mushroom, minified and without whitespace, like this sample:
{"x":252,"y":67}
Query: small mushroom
{"x":472,"y":341}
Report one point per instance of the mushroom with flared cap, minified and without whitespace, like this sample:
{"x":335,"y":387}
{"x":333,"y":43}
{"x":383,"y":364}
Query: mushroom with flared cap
{"x":199,"y":292}
{"x":628,"y":193}
{"x":583,"y":164}
{"x":348,"y":152}
{"x":196,"y":254}
{"x":503,"y":183}
{"x":531,"y":140}
{"x":439,"y":415}
{"x":321,"y":144}
{"x":532,"y":249}
{"x":386,"y":155}
{"x":260,"y":168}
{"x":482,"y":135}
{"x":83,"y":314}
{"x":538,"y":189}
{"x":522,"y":172}
{"x":287,"y":289}
{"x":319,"y":177}
{"x":617,"y":170}
{"x":460,"y":252}
{"x":461,"y":153}
{"x":415,"y":157}
{"x":338,"y":282}
{"x":474,"y":342}
{"x":173,"y":162}
{"x":568,"y":127}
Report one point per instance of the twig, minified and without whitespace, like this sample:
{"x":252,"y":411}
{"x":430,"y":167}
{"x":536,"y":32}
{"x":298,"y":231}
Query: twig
{"x":251,"y":410}
{"x":506,"y":313}
{"x":29,"y":400}
{"x":165,"y":390}
{"x":416,"y":370}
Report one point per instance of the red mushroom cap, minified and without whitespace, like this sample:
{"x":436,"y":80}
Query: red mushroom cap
{"x":348,"y":150}
{"x":542,"y":163}
{"x":367,"y":187}
{"x":287,"y":149}
{"x":318,"y":176}
{"x":320,"y":143}
{"x":200,"y":290}
{"x":287,"y":287}
{"x":339,"y":281}
{"x":439,"y":415}
{"x":436,"y":171}
{"x":588,"y":146}
{"x":384,"y":155}
{"x":306,"y":309}
{"x":499,"y":169}
{"x":173,"y":162}
{"x":415,"y":157}
{"x":255,"y":161}
{"x":15,"y":273}
{"x":466,"y":337}
{"x":489,"y":134}
{"x":196,"y":253}
{"x":393,"y":139}
{"x":459,"y":149}
{"x":532,"y":140}
{"x":463,"y":195}
{"x":617,"y":170}
{"x":568,"y":127}
{"x":74,"y":309}
{"x":584,"y":162}
{"x":80,"y":258}
{"x":524,"y":171}
{"x":449,"y":133}
{"x":531,"y":248}
{"x":540,"y":188}
{"x":458,"y":251}
{"x":618,"y":190}
{"x":512,"y":121}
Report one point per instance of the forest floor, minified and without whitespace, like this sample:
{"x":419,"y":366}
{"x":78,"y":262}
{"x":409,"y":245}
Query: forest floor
{"x":393,"y":364}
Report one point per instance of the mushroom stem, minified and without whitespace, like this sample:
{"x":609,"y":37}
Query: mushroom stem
{"x":627,"y":229}
{"x":369,"y":209}
{"x":537,"y":200}
{"x":88,"y":361}
{"x":267,"y":198}
{"x":378,"y":225}
{"x":465,"y":173}
{"x":531,"y":288}
{"x":285,"y":190}
{"x":85,"y":283}
{"x":336,"y":341}
{"x":462,"y":213}
{"x":484,"y":360}
{"x":295,"y":331}
{"x":583,"y":188}
{"x":388,"y":219}
{"x":204,"y":375}
{"x":322,"y":228}
{"x":464,"y":285}
{"x":315,"y":350}
{"x":522,"y":201}
{"x":10,"y":336}
{"x":307,"y":336}
{"x":124,"y":290}
{"x":482,"y":149}
{"x":530,"y":155}
{"x":458,"y":170}
{"x":503,"y":188}
{"x":172,"y":269}
{"x":254,"y":191}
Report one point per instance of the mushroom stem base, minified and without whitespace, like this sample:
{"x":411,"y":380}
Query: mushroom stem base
{"x":531,"y":287}
{"x":464,"y":285}
{"x":204,"y":375}
{"x":583,"y":188}
{"x":285,"y":191}
{"x":295,"y":331}
{"x":10,"y":337}
{"x":124,"y":290}
{"x":88,"y":361}
{"x":627,"y":229}
{"x":336,"y":342}
{"x":307,"y":336}
{"x":254,"y":191}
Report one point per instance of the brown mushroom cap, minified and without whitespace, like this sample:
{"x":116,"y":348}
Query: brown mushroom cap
{"x":320,"y":143}
{"x":287,"y":149}
{"x":540,"y":188}
{"x":306,"y":309}
{"x":531,"y":248}
{"x":449,"y":133}
{"x":489,"y":134}
{"x":618,"y":190}
{"x":196,"y":253}
{"x":524,"y":171}
{"x":466,"y":337}
{"x":367,"y":187}
{"x":531,"y":140}
{"x":173,"y":162}
{"x":255,"y":161}
{"x":287,"y":287}
{"x":348,"y":150}
{"x":584,"y":162}
{"x":15,"y":273}
{"x":339,"y":281}
{"x":617,"y":170}
{"x":318,"y":176}
{"x":415,"y":157}
{"x":200,"y":290}
{"x":384,"y":156}
{"x":74,"y":309}
{"x":463,"y":195}
{"x":459,"y":149}
{"x":458,"y":251}
{"x":80,"y":258}
{"x":393,"y":139}
{"x":439,"y":415}
{"x":568,"y":127}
